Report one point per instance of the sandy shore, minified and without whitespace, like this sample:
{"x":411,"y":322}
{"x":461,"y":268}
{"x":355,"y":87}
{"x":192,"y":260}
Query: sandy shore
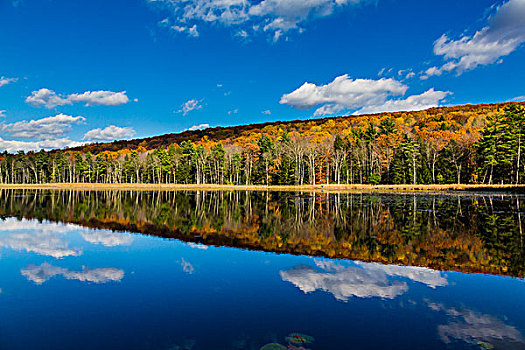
{"x":304,"y":188}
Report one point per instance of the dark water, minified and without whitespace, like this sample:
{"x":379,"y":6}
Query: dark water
{"x":163,"y":270}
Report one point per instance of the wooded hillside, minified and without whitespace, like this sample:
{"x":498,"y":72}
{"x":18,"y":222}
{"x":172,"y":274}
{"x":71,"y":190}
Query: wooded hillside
{"x":458,"y":117}
{"x":463,"y":144}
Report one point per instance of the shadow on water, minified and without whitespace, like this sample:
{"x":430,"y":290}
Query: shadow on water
{"x":468,"y":233}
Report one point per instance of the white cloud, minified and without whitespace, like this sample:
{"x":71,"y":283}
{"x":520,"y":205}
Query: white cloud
{"x":14,"y":146}
{"x":42,"y":129}
{"x":428,"y":99}
{"x":385,"y":71}
{"x":109,"y":133}
{"x":405,"y":74}
{"x":234,"y":111}
{"x":106,"y":98}
{"x":49,"y":99}
{"x":199,"y":127}
{"x":224,"y":11}
{"x":242,"y":34}
{"x":5,"y":81}
{"x":267,"y":112}
{"x":48,"y":133}
{"x":503,"y":34}
{"x":472,"y":327}
{"x":44,"y":272}
{"x":2,"y":113}
{"x":360,"y":95}
{"x":329,"y":109}
{"x":178,"y":28}
{"x":190,"y":105}
{"x":273,"y":16}
{"x":192,"y":31}
{"x":363,"y":280}
{"x":344,"y":91}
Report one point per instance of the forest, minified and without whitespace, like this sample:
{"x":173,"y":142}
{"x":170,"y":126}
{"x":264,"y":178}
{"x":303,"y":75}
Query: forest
{"x":470,"y":144}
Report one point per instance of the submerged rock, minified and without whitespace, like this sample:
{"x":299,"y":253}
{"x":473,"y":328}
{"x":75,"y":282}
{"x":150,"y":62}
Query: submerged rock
{"x":298,"y":338}
{"x":485,"y":345}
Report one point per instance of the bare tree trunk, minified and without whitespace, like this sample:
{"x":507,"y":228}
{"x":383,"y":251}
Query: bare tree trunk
{"x":414,"y":170}
{"x":434,"y":156}
{"x":519,"y":155}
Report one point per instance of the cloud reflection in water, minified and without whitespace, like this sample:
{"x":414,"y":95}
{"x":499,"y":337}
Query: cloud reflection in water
{"x":187,"y":266}
{"x":44,"y":272}
{"x":364,"y":280}
{"x":472,"y":327}
{"x":50,"y":239}
{"x":106,"y":238}
{"x":41,"y":238}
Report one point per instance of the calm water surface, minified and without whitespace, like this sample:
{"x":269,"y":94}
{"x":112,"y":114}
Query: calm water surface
{"x":221,"y":270}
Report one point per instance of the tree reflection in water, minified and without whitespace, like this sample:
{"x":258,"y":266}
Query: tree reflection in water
{"x":461,"y":232}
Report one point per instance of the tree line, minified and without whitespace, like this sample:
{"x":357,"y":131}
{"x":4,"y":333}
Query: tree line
{"x":435,"y":150}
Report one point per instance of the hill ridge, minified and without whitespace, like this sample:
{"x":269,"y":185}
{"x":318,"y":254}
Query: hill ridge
{"x":152,"y":142}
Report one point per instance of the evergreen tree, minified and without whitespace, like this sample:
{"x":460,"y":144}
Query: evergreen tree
{"x":411,"y":151}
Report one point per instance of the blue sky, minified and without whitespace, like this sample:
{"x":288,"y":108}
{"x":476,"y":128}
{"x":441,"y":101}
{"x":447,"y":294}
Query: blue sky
{"x":98,"y":70}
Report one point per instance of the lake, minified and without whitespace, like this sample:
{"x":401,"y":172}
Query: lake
{"x":261,"y":270}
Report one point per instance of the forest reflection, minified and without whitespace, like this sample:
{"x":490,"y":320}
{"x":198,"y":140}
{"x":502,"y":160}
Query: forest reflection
{"x":467,"y":233}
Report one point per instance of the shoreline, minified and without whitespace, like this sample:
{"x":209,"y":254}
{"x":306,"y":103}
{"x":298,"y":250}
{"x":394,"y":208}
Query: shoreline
{"x":292,"y":188}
